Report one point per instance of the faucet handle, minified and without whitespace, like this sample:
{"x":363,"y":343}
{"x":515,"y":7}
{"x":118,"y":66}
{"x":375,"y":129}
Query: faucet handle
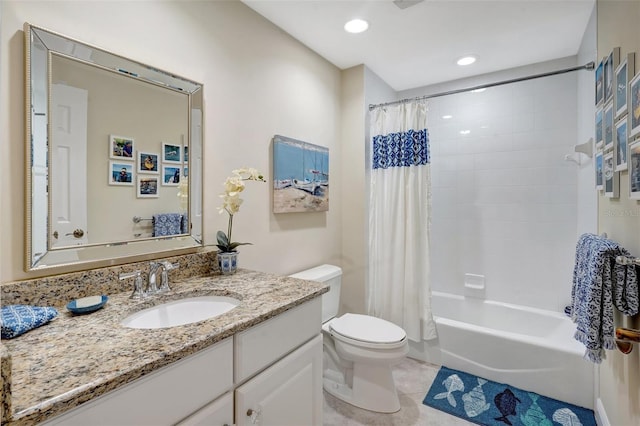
{"x":138,"y":292}
{"x":164,"y":280}
{"x":170,"y":266}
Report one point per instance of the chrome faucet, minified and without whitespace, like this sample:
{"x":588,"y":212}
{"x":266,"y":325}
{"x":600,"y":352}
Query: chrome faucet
{"x":154,"y":268}
{"x":139,"y":290}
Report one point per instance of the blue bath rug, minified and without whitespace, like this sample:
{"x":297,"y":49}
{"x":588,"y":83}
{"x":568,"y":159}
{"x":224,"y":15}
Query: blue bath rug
{"x":485,"y":402}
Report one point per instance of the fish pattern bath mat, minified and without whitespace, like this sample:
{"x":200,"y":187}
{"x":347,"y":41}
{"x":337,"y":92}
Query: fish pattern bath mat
{"x":485,"y":402}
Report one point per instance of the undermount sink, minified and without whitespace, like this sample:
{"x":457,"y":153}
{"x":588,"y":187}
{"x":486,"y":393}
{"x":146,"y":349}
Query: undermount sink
{"x":180,"y":312}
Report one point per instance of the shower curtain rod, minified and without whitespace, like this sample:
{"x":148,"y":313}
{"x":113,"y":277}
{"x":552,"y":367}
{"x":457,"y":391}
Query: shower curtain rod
{"x":589,"y":67}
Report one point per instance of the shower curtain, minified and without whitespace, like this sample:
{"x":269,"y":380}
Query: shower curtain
{"x":398,"y":287}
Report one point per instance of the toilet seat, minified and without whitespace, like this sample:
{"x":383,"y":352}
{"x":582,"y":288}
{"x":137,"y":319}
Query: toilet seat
{"x":367,"y":331}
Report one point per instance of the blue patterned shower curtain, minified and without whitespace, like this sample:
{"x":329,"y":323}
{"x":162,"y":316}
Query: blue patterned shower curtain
{"x":398,"y":285}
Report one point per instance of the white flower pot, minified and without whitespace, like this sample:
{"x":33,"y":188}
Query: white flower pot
{"x":228,"y":262}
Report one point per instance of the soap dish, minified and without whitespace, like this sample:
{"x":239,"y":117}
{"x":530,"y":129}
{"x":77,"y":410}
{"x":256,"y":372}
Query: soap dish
{"x":86,"y":305}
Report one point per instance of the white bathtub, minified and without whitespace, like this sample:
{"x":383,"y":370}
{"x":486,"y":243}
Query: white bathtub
{"x":529,"y":348}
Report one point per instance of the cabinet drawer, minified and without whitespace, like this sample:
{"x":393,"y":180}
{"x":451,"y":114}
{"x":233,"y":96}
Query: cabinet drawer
{"x":260,"y":346}
{"x":161,"y":398}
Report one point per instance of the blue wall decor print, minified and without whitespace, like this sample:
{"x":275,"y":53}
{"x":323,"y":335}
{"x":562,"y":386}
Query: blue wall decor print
{"x":300,"y":176}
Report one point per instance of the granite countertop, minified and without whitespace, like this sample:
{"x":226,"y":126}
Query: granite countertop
{"x":76,"y":358}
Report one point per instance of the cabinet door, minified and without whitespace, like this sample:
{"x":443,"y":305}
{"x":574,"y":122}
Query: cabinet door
{"x":287,"y":393}
{"x":217,"y":413}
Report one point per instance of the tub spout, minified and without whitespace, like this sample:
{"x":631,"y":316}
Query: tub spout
{"x":625,"y":337}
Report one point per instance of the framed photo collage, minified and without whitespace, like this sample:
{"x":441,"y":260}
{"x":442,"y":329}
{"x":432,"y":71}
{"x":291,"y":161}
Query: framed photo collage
{"x":146,"y":170}
{"x":617,"y":124}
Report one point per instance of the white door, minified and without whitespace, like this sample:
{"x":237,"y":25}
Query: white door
{"x":68,"y":190}
{"x":289,"y":393}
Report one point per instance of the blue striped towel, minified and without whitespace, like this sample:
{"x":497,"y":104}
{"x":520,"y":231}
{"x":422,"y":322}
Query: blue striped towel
{"x":18,"y":319}
{"x":599,"y":284}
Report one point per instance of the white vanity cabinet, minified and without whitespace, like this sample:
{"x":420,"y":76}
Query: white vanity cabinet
{"x":271,"y":373}
{"x":287,"y":393}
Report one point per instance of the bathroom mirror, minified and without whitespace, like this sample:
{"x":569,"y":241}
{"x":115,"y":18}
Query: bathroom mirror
{"x":113,"y":155}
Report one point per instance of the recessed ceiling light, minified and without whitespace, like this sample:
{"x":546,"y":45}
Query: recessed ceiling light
{"x":479,"y":90}
{"x":465,"y":132}
{"x":446,"y":117}
{"x":466,"y":60}
{"x":356,"y":26}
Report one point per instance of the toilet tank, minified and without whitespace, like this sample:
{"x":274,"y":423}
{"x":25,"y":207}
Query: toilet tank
{"x":327,"y":274}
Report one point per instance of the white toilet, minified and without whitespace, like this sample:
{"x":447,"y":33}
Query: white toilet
{"x":359,"y":350}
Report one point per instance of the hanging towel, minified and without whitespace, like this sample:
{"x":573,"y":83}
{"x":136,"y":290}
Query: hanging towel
{"x":18,"y":319}
{"x":184,"y":224}
{"x":165,"y":224}
{"x":599,"y":284}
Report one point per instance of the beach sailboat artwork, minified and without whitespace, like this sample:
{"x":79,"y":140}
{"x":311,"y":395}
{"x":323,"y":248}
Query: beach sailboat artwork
{"x":300,"y":176}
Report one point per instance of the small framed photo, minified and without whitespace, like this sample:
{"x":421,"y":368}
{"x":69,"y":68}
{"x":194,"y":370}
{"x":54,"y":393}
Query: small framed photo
{"x":611,"y":177}
{"x":608,"y":126}
{"x":147,"y":187}
{"x":186,"y":171}
{"x":120,"y":173}
{"x":185,"y":154}
{"x":171,"y":175}
{"x":120,"y":147}
{"x":634,"y":170}
{"x":634,"y":106}
{"x":600,"y":83}
{"x":599,"y":137}
{"x":148,"y":162}
{"x":171,"y":153}
{"x":609,"y":70}
{"x":620,"y":145}
{"x":598,"y":169}
{"x":624,"y":72}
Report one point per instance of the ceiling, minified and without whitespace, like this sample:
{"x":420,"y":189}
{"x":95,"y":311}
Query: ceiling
{"x":419,"y":45}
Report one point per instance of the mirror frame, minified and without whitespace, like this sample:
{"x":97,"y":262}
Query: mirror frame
{"x":111,"y":252}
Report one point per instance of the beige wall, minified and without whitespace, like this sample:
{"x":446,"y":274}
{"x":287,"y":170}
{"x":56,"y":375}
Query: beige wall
{"x":258,"y":82}
{"x":619,"y":375}
{"x":354,"y":191}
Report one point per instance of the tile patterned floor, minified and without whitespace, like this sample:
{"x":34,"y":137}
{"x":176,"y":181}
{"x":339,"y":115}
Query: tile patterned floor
{"x":413,"y":379}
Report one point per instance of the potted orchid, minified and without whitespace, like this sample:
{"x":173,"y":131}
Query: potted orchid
{"x":231,"y":201}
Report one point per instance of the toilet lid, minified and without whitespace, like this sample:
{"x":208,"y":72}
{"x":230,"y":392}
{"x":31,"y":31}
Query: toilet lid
{"x":367,"y":329}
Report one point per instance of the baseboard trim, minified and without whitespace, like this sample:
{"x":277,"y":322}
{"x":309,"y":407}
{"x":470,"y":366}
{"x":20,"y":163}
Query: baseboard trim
{"x":601,"y":414}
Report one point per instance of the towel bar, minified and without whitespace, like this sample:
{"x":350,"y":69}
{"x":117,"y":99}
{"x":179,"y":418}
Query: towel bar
{"x":625,"y":260}
{"x":138,"y":219}
{"x":625,"y":338}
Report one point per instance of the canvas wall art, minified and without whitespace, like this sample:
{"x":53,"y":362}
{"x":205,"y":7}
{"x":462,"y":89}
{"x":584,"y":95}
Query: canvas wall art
{"x":300,"y":176}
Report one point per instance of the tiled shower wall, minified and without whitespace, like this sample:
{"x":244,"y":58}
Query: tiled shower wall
{"x":504,"y":198}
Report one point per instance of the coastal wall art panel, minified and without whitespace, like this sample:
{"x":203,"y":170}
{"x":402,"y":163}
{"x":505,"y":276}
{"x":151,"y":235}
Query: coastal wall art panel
{"x":300,"y":176}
